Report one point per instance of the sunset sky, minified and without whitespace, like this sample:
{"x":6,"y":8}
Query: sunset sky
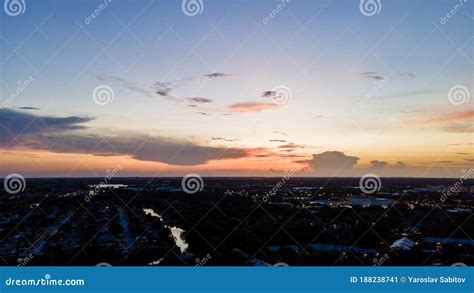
{"x":320,"y":87}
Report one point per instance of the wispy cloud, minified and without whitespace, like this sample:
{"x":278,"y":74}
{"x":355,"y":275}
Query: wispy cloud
{"x":281,"y":133}
{"x":217,"y":75}
{"x":291,"y":146}
{"x":159,"y":88}
{"x":145,"y":90}
{"x":29,"y":108}
{"x":199,"y":100}
{"x":224,"y":139}
{"x":269,"y":94}
{"x":252,"y":107}
{"x":445,"y":118}
{"x":462,"y":144}
{"x":372,"y":75}
{"x":292,"y":156}
{"x":459,"y":128}
{"x":164,"y":89}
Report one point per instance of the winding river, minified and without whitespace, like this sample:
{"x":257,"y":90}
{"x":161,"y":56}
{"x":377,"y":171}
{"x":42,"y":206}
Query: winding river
{"x":176,"y":232}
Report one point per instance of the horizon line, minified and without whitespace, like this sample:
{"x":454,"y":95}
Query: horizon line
{"x":212,"y":176}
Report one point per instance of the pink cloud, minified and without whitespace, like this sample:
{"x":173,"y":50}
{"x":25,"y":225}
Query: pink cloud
{"x":252,"y":107}
{"x":445,"y":118}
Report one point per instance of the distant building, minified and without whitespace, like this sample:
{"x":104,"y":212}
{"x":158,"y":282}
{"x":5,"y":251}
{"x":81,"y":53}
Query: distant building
{"x":403,"y":243}
{"x":423,"y":189}
{"x":107,"y":186}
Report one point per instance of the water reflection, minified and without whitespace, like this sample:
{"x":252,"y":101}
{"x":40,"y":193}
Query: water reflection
{"x":125,"y":223}
{"x":176,"y":232}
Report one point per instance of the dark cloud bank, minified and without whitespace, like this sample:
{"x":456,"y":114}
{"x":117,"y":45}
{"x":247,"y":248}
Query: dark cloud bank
{"x":71,"y":135}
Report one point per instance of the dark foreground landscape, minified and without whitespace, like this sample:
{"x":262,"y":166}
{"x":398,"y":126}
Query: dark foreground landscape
{"x":237,"y":222}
